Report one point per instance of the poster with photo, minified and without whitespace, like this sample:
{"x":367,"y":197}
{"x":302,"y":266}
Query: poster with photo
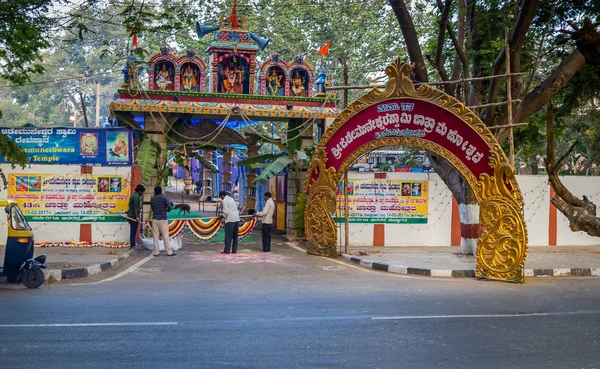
{"x":384,"y":201}
{"x":117,"y":147}
{"x":70,"y":198}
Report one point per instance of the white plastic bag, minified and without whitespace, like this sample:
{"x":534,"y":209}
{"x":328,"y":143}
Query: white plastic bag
{"x":174,"y":243}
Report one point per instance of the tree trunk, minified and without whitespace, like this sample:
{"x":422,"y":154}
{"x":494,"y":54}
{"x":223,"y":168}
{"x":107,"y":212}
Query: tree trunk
{"x":581,"y":213}
{"x":467,"y":202}
{"x":410,"y":36}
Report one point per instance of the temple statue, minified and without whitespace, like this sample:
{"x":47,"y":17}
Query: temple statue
{"x":233,"y":80}
{"x":188,"y":79}
{"x":274,"y":83}
{"x":298,"y":85}
{"x":163,"y":78}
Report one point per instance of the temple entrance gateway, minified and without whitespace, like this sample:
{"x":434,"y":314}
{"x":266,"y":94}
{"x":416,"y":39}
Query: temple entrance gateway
{"x":424,"y":117}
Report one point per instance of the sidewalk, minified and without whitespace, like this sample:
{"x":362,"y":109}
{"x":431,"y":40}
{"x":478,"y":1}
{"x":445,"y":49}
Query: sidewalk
{"x":541,"y":261}
{"x":77,"y":262}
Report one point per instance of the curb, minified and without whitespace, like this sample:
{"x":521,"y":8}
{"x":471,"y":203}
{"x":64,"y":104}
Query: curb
{"x":73,"y":273}
{"x":469,"y":273}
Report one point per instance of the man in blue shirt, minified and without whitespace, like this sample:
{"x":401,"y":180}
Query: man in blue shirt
{"x":160,"y":205}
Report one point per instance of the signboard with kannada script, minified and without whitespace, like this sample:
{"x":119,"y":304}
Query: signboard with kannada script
{"x":78,"y":146}
{"x":385,"y":201}
{"x":70,"y":198}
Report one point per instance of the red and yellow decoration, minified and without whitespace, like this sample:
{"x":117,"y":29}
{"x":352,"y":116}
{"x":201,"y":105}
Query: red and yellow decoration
{"x":205,"y":231}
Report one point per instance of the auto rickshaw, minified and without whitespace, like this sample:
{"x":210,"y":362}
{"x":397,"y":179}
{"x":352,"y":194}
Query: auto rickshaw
{"x":19,"y":264}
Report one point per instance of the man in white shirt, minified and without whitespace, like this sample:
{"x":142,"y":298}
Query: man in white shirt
{"x":231,"y":216}
{"x":267,"y":221}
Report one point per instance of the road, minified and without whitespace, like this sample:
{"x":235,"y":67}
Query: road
{"x":201,"y":309}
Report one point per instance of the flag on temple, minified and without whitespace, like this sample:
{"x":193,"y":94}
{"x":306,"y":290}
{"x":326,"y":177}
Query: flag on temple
{"x":233,"y":18}
{"x":325,"y":49}
{"x":135,"y":40}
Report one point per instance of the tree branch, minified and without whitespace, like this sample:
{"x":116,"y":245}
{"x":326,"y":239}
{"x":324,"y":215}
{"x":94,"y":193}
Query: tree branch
{"x":581,"y":213}
{"x":442,"y":33}
{"x":515,"y":43}
{"x":537,"y":98}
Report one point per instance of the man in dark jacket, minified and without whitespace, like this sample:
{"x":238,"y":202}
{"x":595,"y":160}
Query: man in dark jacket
{"x":134,"y":212}
{"x":161,"y":205}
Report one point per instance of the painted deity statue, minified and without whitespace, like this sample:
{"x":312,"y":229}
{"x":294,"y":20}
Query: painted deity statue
{"x":274,"y":83}
{"x":298,"y":85}
{"x":189,"y":79}
{"x":232,"y":80}
{"x":163,"y":78}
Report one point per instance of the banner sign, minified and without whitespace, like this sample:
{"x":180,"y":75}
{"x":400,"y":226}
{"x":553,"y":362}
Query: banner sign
{"x":385,"y":201}
{"x":79,"y":146}
{"x":70,"y":198}
{"x":414,"y":119}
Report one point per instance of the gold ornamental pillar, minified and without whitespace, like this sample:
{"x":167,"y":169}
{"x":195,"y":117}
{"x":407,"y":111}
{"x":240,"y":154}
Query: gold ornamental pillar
{"x":251,"y":180}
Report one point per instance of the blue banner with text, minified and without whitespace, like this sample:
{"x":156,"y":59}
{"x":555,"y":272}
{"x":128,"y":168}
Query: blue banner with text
{"x":79,"y":146}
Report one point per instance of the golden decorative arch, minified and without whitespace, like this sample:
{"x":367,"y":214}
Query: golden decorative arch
{"x":366,"y":125}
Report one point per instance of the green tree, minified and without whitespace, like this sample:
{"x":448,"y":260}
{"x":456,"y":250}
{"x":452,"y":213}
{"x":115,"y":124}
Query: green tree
{"x":537,"y":47}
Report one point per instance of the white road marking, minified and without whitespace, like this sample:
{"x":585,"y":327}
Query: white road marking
{"x":123,"y":273}
{"x":475,"y":316}
{"x":120,"y":324}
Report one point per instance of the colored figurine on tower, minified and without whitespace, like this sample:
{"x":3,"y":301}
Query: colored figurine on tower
{"x":298,"y":85}
{"x":163,"y":78}
{"x":233,"y":80}
{"x":274,"y":83}
{"x":189,"y":81}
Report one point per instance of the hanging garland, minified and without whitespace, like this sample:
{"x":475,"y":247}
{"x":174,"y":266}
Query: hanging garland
{"x":202,"y":231}
{"x":246,"y":228}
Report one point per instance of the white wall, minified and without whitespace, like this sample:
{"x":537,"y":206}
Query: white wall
{"x":536,"y":194}
{"x":589,"y":186}
{"x":68,"y":231}
{"x":437,"y":232}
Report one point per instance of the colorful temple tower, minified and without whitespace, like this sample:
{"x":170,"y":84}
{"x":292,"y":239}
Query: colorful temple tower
{"x":193,"y":102}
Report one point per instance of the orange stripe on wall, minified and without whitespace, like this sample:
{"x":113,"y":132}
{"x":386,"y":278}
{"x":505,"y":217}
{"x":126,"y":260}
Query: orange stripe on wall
{"x":552,"y":220}
{"x":455,"y":224}
{"x":85,"y":233}
{"x":379,"y":235}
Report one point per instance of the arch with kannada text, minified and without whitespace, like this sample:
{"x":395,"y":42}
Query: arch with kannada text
{"x":402,"y":114}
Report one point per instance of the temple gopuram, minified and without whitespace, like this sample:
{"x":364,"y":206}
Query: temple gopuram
{"x":203,"y":100}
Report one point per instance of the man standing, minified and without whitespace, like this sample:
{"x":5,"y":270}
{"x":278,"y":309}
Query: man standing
{"x":232,"y":222}
{"x":134,"y":212}
{"x":161,"y":205}
{"x":267,"y":222}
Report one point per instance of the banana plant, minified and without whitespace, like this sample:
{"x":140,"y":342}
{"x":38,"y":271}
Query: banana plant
{"x":291,"y":156}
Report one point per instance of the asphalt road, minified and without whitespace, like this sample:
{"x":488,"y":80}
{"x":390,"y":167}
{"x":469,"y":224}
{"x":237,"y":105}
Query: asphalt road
{"x":200,"y":309}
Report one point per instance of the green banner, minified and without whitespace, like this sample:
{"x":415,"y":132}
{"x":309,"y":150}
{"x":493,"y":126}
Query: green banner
{"x":383,"y":220}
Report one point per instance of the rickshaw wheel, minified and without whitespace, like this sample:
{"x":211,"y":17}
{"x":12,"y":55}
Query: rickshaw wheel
{"x":33,"y":278}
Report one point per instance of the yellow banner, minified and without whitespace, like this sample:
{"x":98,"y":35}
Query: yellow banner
{"x":69,"y":198}
{"x":385,"y":201}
